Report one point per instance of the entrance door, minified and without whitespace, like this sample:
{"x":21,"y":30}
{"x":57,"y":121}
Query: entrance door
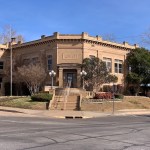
{"x":70,"y":79}
{"x":70,"y":75}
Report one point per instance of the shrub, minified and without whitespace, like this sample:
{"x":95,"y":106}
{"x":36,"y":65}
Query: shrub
{"x":107,"y":88}
{"x":119,"y":96}
{"x":103,"y":95}
{"x":42,"y":97}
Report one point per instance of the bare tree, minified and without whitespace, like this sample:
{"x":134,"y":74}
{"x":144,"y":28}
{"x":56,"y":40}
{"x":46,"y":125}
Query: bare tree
{"x":109,"y":37}
{"x":146,"y":37}
{"x":16,"y":78}
{"x":33,"y":76}
{"x":7,"y":33}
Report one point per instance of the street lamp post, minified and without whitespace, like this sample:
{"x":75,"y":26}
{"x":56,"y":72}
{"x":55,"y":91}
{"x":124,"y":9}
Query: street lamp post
{"x":52,"y":75}
{"x":113,"y":111}
{"x":113,"y":93}
{"x":83,"y":74}
{"x":12,"y":39}
{"x":129,"y":69}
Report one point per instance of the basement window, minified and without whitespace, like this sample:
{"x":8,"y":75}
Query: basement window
{"x":0,"y":82}
{"x":1,"y":64}
{"x":49,"y":62}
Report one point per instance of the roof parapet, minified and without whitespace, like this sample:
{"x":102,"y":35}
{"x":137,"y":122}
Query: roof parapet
{"x":99,"y":38}
{"x":56,"y":35}
{"x":43,"y":36}
{"x":125,"y":43}
{"x":19,"y":42}
{"x":4,"y":46}
{"x":136,"y":45}
{"x":84,"y":35}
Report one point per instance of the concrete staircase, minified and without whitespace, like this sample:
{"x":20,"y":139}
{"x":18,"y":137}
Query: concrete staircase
{"x":63,"y":102}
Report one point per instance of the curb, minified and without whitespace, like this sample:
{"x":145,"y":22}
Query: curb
{"x":72,"y":117}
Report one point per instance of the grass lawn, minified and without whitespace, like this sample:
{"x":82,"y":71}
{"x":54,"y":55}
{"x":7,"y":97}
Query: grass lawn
{"x":22,"y":102}
{"x":106,"y":106}
{"x":127,"y":103}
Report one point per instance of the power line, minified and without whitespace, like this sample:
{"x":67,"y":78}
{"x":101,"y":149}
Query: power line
{"x":129,"y":37}
{"x":123,"y":37}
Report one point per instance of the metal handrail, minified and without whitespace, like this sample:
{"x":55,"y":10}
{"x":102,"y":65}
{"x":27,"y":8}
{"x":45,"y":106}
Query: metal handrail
{"x":67,"y":91}
{"x":53,"y":98}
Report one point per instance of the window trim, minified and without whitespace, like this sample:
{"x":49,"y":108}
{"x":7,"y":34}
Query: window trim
{"x":49,"y":65}
{"x":107,"y":60}
{"x":1,"y":65}
{"x":118,"y":66}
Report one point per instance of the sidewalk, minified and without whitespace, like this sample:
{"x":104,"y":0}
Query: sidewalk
{"x":9,"y":111}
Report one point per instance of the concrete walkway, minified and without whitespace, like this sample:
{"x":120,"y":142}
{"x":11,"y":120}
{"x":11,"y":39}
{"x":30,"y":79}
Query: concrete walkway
{"x":9,"y":111}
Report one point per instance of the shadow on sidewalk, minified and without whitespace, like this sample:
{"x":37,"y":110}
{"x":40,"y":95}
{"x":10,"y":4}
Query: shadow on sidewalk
{"x":14,"y":111}
{"x":144,"y":115}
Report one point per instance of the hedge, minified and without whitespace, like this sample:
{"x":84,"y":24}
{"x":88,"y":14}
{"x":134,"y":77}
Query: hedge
{"x":42,"y":97}
{"x":103,"y":95}
{"x":118,"y":96}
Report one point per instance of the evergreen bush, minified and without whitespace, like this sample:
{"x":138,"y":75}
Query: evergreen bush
{"x":42,"y":97}
{"x":119,"y":96}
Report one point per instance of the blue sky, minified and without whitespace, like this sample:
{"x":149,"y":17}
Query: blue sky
{"x":125,"y":19}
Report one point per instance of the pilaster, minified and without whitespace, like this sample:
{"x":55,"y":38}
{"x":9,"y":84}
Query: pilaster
{"x":113,"y":66}
{"x":60,"y":77}
{"x":78,"y":78}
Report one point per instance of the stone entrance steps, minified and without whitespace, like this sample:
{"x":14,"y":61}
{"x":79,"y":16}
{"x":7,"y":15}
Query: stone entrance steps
{"x":67,"y":106}
{"x":63,"y":102}
{"x":62,"y":91}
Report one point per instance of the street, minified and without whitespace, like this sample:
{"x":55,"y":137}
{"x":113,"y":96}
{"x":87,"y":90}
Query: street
{"x":105,"y":133}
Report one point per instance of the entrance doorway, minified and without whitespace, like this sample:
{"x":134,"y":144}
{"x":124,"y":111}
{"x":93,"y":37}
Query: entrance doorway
{"x":70,"y":79}
{"x":70,"y":76}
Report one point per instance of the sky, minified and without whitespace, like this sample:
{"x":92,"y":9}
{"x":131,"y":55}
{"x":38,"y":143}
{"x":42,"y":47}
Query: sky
{"x":126,"y":20}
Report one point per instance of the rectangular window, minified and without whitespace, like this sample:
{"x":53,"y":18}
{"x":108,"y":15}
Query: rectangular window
{"x":108,"y":63}
{"x":49,"y":62}
{"x":118,"y":66}
{"x":34,"y":60}
{"x":26,"y":61}
{"x":0,"y":82}
{"x":1,"y":64}
{"x":91,"y":56}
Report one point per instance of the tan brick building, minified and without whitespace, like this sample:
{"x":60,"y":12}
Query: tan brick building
{"x":64,"y":54}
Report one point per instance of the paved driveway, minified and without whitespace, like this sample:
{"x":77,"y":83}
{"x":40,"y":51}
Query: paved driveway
{"x":106,"y":133}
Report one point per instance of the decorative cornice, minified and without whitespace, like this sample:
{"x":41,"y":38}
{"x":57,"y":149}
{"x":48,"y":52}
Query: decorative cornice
{"x":107,"y":45}
{"x":83,"y":38}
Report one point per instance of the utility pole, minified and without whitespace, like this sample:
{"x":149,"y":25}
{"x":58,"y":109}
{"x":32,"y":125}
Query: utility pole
{"x":12,"y":40}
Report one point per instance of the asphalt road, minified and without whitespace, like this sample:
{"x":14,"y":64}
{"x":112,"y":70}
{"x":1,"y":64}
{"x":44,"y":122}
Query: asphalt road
{"x":109,"y":133}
